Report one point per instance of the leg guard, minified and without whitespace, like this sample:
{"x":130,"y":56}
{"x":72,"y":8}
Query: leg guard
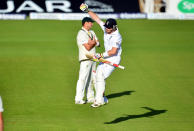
{"x":100,"y":86}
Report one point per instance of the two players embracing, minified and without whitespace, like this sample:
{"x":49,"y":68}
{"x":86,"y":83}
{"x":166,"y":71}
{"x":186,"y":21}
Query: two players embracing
{"x":87,"y":40}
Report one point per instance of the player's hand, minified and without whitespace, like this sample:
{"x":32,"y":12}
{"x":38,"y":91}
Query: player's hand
{"x":92,"y":41}
{"x":97,"y":43}
{"x":84,"y":7}
{"x":98,"y":55}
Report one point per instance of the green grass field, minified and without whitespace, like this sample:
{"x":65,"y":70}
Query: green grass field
{"x":39,"y":70}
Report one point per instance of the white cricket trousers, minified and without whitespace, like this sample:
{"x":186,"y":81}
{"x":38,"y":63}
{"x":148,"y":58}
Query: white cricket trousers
{"x":86,"y":78}
{"x":102,"y":73}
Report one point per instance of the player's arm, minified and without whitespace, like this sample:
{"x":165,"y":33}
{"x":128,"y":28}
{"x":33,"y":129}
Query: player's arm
{"x":112,"y":52}
{"x":109,"y":53}
{"x":90,"y":44}
{"x":94,"y":16}
{"x":116,"y":43}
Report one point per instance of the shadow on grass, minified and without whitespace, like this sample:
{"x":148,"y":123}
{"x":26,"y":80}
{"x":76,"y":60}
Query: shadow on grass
{"x":149,"y":114}
{"x":119,"y":94}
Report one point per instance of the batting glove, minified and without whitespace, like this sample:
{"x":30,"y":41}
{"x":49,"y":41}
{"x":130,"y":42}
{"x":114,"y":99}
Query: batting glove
{"x":98,"y":55}
{"x":84,"y":7}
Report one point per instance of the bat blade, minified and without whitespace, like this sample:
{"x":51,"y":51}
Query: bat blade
{"x":91,"y":56}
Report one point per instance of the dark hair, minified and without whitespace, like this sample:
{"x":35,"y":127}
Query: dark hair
{"x":86,"y":19}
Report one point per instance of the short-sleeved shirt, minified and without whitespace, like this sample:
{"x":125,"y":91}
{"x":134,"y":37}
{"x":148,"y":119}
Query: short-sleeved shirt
{"x":1,"y":105}
{"x":112,"y":40}
{"x":82,"y":38}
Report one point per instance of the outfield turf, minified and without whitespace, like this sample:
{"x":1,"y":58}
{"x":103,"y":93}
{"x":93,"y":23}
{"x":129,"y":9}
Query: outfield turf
{"x":39,"y":70}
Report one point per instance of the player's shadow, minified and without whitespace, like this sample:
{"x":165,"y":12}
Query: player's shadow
{"x":119,"y":94}
{"x":152,"y":112}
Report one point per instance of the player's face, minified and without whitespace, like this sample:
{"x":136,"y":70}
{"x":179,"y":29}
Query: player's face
{"x":89,"y":24}
{"x":108,"y":31}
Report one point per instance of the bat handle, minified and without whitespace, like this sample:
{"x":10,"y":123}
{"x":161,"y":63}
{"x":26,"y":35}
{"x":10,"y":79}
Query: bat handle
{"x":121,"y":67}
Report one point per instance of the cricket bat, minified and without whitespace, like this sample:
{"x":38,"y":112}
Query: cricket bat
{"x":91,"y":56}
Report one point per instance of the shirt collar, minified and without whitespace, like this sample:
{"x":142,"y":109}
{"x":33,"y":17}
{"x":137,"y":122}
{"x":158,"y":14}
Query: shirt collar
{"x":84,"y":29}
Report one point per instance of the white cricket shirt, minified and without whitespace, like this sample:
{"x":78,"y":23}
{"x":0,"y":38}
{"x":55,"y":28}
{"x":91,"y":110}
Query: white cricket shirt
{"x":1,"y":105}
{"x":112,"y":40}
{"x":82,"y":38}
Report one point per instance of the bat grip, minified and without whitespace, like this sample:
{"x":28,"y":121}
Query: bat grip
{"x":121,"y":67}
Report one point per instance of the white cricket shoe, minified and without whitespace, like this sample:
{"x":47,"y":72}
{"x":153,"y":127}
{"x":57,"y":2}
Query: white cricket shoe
{"x":80,"y":102}
{"x":97,"y":104}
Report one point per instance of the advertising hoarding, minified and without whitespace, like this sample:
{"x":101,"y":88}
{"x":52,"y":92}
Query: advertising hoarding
{"x":181,"y":7}
{"x":67,"y":6}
